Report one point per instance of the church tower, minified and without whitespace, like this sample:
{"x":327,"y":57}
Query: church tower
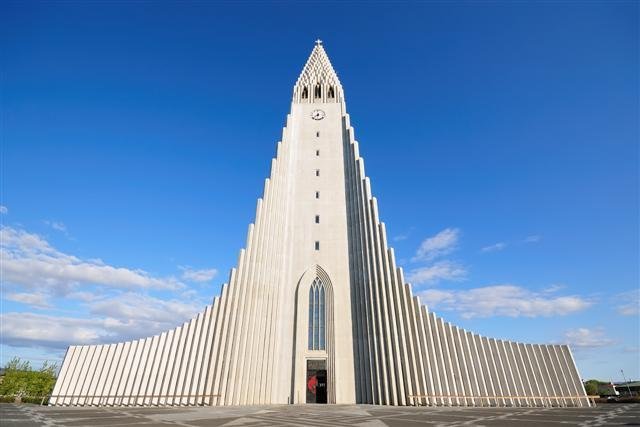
{"x":317,"y":310}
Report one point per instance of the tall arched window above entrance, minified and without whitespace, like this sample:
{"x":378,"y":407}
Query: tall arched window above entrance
{"x":317,"y":316}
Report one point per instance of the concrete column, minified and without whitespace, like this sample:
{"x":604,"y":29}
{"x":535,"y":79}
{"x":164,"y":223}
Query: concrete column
{"x":153,"y":384}
{"x":101,"y":353}
{"x":132,"y":376}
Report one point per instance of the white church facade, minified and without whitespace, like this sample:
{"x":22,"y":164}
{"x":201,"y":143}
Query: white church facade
{"x":317,"y":311}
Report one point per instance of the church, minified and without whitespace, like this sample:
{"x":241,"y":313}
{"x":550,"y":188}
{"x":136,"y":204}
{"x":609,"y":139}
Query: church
{"x":317,"y":310}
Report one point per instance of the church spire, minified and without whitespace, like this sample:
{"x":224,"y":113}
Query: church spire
{"x":318,"y":82}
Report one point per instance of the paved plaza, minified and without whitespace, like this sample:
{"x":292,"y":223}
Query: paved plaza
{"x":319,"y":415}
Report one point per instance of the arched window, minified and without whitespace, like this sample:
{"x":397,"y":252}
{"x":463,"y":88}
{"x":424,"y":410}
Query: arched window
{"x":330,"y":93}
{"x":305,"y":93}
{"x":317,"y":93}
{"x":316,"y":316}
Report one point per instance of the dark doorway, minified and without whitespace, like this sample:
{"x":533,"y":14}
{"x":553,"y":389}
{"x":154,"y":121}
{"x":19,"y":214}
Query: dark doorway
{"x":316,"y":381}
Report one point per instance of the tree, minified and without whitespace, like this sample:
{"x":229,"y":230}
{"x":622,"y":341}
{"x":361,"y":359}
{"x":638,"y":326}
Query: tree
{"x":591,"y":387}
{"x":599,"y":388}
{"x":21,"y":380}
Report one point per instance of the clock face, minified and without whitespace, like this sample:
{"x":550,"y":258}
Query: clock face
{"x":317,"y":114}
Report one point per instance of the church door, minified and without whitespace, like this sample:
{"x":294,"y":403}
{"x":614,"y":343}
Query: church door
{"x":316,"y":381}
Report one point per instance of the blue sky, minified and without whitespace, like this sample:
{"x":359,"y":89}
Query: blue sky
{"x":501,"y":139}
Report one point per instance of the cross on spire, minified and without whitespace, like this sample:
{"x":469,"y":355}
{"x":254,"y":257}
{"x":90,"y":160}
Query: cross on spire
{"x":318,"y":42}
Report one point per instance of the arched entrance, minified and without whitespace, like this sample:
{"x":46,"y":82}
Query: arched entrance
{"x":314,"y":355}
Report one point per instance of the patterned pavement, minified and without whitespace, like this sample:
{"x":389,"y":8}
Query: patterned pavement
{"x":319,"y":415}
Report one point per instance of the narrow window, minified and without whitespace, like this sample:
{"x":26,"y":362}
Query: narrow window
{"x":318,"y":134}
{"x":317,"y":219}
{"x":321,"y":305}
{"x":317,"y":93}
{"x":305,"y":93}
{"x":317,"y":194}
{"x":317,"y":316}
{"x":312,"y":303}
{"x":317,"y":172}
{"x":317,"y":245}
{"x":317,"y":153}
{"x":330,"y":94}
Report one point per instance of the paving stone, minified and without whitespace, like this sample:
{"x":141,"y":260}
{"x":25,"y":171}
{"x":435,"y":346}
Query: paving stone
{"x":316,"y":415}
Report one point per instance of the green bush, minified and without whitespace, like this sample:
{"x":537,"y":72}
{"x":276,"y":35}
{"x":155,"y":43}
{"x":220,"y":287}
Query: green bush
{"x":21,"y":380}
{"x":591,"y":387}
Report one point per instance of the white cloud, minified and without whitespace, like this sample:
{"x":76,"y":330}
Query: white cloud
{"x":3,"y":209}
{"x":436,"y":297}
{"x":22,"y":240}
{"x":30,"y":329}
{"x":29,"y":260}
{"x":136,"y":307}
{"x":551,"y":289}
{"x":441,"y":244}
{"x":111,"y":303}
{"x":495,"y":247}
{"x":440,"y":271}
{"x":37,"y":300}
{"x":404,"y":236}
{"x":503,"y":300}
{"x":532,"y":239}
{"x":198,"y":276}
{"x":56,"y":225}
{"x":628,"y":303}
{"x":123,"y":317}
{"x":587,"y":338}
{"x":84,"y":296}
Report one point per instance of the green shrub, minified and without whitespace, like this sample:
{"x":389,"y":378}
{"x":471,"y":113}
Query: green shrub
{"x":591,"y":387}
{"x":21,"y":380}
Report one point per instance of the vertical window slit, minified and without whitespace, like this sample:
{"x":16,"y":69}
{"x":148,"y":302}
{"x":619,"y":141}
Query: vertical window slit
{"x":317,"y":316}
